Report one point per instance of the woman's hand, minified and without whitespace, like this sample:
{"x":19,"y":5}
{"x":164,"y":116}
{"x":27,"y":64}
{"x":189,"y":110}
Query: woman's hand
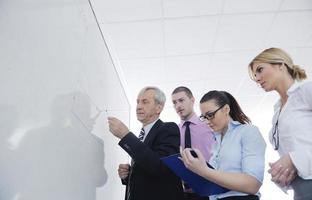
{"x":197,"y":165}
{"x":236,"y":181}
{"x":283,"y":171}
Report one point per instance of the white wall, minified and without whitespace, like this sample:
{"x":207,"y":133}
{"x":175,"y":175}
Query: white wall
{"x":58,"y":84}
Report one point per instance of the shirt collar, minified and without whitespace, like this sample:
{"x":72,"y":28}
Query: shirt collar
{"x":289,"y":92}
{"x":294,"y":86}
{"x":194,"y":119}
{"x":232,"y":124}
{"x":149,"y":126}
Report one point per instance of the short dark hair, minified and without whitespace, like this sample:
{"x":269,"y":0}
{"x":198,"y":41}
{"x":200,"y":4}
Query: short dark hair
{"x":187,"y":91}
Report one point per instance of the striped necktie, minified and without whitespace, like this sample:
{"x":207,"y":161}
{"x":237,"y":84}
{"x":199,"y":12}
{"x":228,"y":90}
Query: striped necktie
{"x":128,"y":193}
{"x":142,"y":133}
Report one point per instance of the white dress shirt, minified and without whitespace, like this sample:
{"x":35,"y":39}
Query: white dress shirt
{"x":295,"y":127}
{"x":148,"y":127}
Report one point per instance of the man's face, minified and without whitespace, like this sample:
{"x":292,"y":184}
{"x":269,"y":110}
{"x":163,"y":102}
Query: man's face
{"x":183,"y":105}
{"x":147,"y":109}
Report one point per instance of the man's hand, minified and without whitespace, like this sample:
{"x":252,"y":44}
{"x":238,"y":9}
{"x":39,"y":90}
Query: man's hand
{"x":118,"y":128}
{"x":283,"y":171}
{"x":123,"y":170}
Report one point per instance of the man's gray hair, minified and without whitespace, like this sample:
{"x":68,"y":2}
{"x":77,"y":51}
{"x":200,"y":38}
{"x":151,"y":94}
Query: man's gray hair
{"x":160,"y":97}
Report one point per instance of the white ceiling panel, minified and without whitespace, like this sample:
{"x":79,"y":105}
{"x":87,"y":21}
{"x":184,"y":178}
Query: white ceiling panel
{"x":124,"y":10}
{"x":296,"y":5}
{"x":301,"y":57}
{"x":238,"y":32}
{"x":243,"y":6}
{"x":136,"y":39}
{"x":187,"y":68}
{"x":145,"y":71}
{"x":233,"y":64}
{"x":291,"y":29}
{"x":183,"y":8}
{"x":190,"y":35}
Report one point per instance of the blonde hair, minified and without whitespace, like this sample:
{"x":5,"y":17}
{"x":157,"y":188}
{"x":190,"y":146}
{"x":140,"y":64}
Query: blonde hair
{"x":278,"y":56}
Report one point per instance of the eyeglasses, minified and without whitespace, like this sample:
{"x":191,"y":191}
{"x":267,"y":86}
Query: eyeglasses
{"x":275,"y":136}
{"x":209,"y":115}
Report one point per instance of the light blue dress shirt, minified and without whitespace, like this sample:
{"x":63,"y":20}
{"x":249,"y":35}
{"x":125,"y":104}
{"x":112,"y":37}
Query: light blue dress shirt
{"x":241,"y":150}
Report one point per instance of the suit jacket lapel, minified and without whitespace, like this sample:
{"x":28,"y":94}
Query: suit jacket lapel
{"x":152,"y":133}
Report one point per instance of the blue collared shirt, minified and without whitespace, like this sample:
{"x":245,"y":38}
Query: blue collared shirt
{"x":241,"y":150}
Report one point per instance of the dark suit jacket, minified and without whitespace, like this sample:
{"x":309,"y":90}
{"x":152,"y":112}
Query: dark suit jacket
{"x":150,"y":179}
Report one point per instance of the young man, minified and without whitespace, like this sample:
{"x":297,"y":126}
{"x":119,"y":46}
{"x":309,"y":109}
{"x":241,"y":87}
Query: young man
{"x":193,"y":132}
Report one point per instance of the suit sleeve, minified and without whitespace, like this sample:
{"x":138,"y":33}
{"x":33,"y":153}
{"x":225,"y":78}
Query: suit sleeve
{"x":165,"y":143}
{"x":125,"y":180}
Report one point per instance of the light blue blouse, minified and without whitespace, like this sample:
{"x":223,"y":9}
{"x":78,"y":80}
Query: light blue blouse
{"x":241,"y":150}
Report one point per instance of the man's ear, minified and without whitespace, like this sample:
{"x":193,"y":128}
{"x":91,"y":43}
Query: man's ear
{"x":193,"y":99}
{"x":159,"y":107}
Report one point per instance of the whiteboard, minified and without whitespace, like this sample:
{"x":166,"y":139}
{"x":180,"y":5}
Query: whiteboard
{"x":58,"y":84}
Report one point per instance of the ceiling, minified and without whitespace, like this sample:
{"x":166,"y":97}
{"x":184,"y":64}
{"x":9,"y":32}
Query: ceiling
{"x":203,"y":44}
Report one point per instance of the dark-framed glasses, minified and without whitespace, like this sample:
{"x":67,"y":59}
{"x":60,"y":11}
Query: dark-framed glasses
{"x":275,"y":136}
{"x":209,"y":115}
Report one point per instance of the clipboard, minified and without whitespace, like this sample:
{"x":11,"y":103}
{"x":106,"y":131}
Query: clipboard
{"x":200,"y":185}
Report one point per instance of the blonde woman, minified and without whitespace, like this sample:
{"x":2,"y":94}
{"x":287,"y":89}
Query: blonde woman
{"x":291,"y":133}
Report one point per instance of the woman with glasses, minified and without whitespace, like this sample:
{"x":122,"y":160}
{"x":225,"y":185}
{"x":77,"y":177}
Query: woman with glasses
{"x":291,"y":133}
{"x":238,"y":154}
